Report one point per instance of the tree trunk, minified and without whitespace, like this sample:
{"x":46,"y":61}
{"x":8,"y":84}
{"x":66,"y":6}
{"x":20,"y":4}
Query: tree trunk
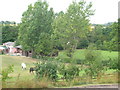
{"x":33,"y":52}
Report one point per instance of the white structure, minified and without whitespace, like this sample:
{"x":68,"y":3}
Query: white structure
{"x":7,"y":44}
{"x":23,"y":66}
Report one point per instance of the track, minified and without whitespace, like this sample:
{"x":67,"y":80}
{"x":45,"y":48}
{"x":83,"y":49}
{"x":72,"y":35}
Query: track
{"x":100,"y":86}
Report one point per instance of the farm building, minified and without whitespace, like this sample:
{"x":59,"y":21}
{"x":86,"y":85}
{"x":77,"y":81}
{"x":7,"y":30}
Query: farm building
{"x":7,"y":44}
{"x":11,"y":49}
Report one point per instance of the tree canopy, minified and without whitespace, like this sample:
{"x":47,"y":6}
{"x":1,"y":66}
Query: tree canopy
{"x":70,"y":27}
{"x":36,"y":22}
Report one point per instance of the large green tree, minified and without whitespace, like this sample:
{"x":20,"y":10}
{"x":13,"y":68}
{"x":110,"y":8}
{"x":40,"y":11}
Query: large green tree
{"x":36,"y":21}
{"x":70,"y":27}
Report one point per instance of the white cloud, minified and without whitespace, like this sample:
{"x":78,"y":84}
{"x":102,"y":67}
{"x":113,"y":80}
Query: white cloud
{"x":106,"y":11}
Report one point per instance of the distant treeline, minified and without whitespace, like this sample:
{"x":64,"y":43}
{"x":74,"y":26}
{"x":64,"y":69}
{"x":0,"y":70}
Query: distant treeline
{"x":12,"y":23}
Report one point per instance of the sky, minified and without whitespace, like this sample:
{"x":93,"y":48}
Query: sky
{"x":105,"y":10}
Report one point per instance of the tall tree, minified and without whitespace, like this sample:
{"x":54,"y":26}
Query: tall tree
{"x":35,"y":21}
{"x":70,"y":27}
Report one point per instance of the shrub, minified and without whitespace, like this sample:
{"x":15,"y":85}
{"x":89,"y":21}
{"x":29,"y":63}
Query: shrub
{"x":106,"y":63}
{"x":47,"y":69}
{"x":114,"y":64}
{"x":69,"y":72}
{"x":93,"y":62}
{"x":6,"y":72}
{"x":70,"y":52}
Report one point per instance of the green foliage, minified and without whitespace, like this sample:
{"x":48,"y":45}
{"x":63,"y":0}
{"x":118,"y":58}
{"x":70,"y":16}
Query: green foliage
{"x":93,"y":61}
{"x":111,"y":63}
{"x":6,"y":72}
{"x":36,"y":24}
{"x":69,"y":52}
{"x":51,"y":70}
{"x":112,"y":43}
{"x":47,"y":69}
{"x":44,"y":46}
{"x":83,"y":43}
{"x":9,"y":33}
{"x":114,"y":64}
{"x":70,"y":27}
{"x":104,"y":37}
{"x":69,"y":72}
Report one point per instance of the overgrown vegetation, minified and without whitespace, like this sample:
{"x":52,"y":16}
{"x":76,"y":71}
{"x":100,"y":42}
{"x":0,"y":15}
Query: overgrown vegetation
{"x":51,"y":73}
{"x":6,"y":72}
{"x":47,"y":69}
{"x":93,"y":61}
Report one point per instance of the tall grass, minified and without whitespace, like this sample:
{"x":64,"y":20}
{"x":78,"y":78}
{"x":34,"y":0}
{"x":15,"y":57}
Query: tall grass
{"x":27,"y":83}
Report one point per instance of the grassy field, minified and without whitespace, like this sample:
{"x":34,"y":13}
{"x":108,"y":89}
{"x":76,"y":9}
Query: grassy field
{"x":16,"y":61}
{"x":79,"y":54}
{"x":25,"y":75}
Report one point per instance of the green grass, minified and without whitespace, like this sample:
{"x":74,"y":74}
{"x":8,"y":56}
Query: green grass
{"x":16,"y":61}
{"x":25,"y":75}
{"x":80,"y":54}
{"x":107,"y":54}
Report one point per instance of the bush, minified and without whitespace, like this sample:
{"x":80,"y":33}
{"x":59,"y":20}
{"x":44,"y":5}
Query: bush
{"x":70,"y":52}
{"x":111,"y":63}
{"x":47,"y":69}
{"x":114,"y":64}
{"x":106,"y":63}
{"x":93,"y":62}
{"x":6,"y":72}
{"x":69,"y":72}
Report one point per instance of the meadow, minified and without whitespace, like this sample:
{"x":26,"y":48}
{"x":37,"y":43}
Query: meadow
{"x":79,"y":54}
{"x":22,"y":78}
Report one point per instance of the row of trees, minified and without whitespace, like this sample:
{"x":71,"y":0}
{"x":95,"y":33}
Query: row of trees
{"x":105,"y":37}
{"x":42,"y":31}
{"x":8,"y":23}
{"x":9,"y":31}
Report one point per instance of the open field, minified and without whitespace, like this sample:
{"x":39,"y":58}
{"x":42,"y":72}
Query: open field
{"x":79,"y":54}
{"x":16,"y":61}
{"x":24,"y":75}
